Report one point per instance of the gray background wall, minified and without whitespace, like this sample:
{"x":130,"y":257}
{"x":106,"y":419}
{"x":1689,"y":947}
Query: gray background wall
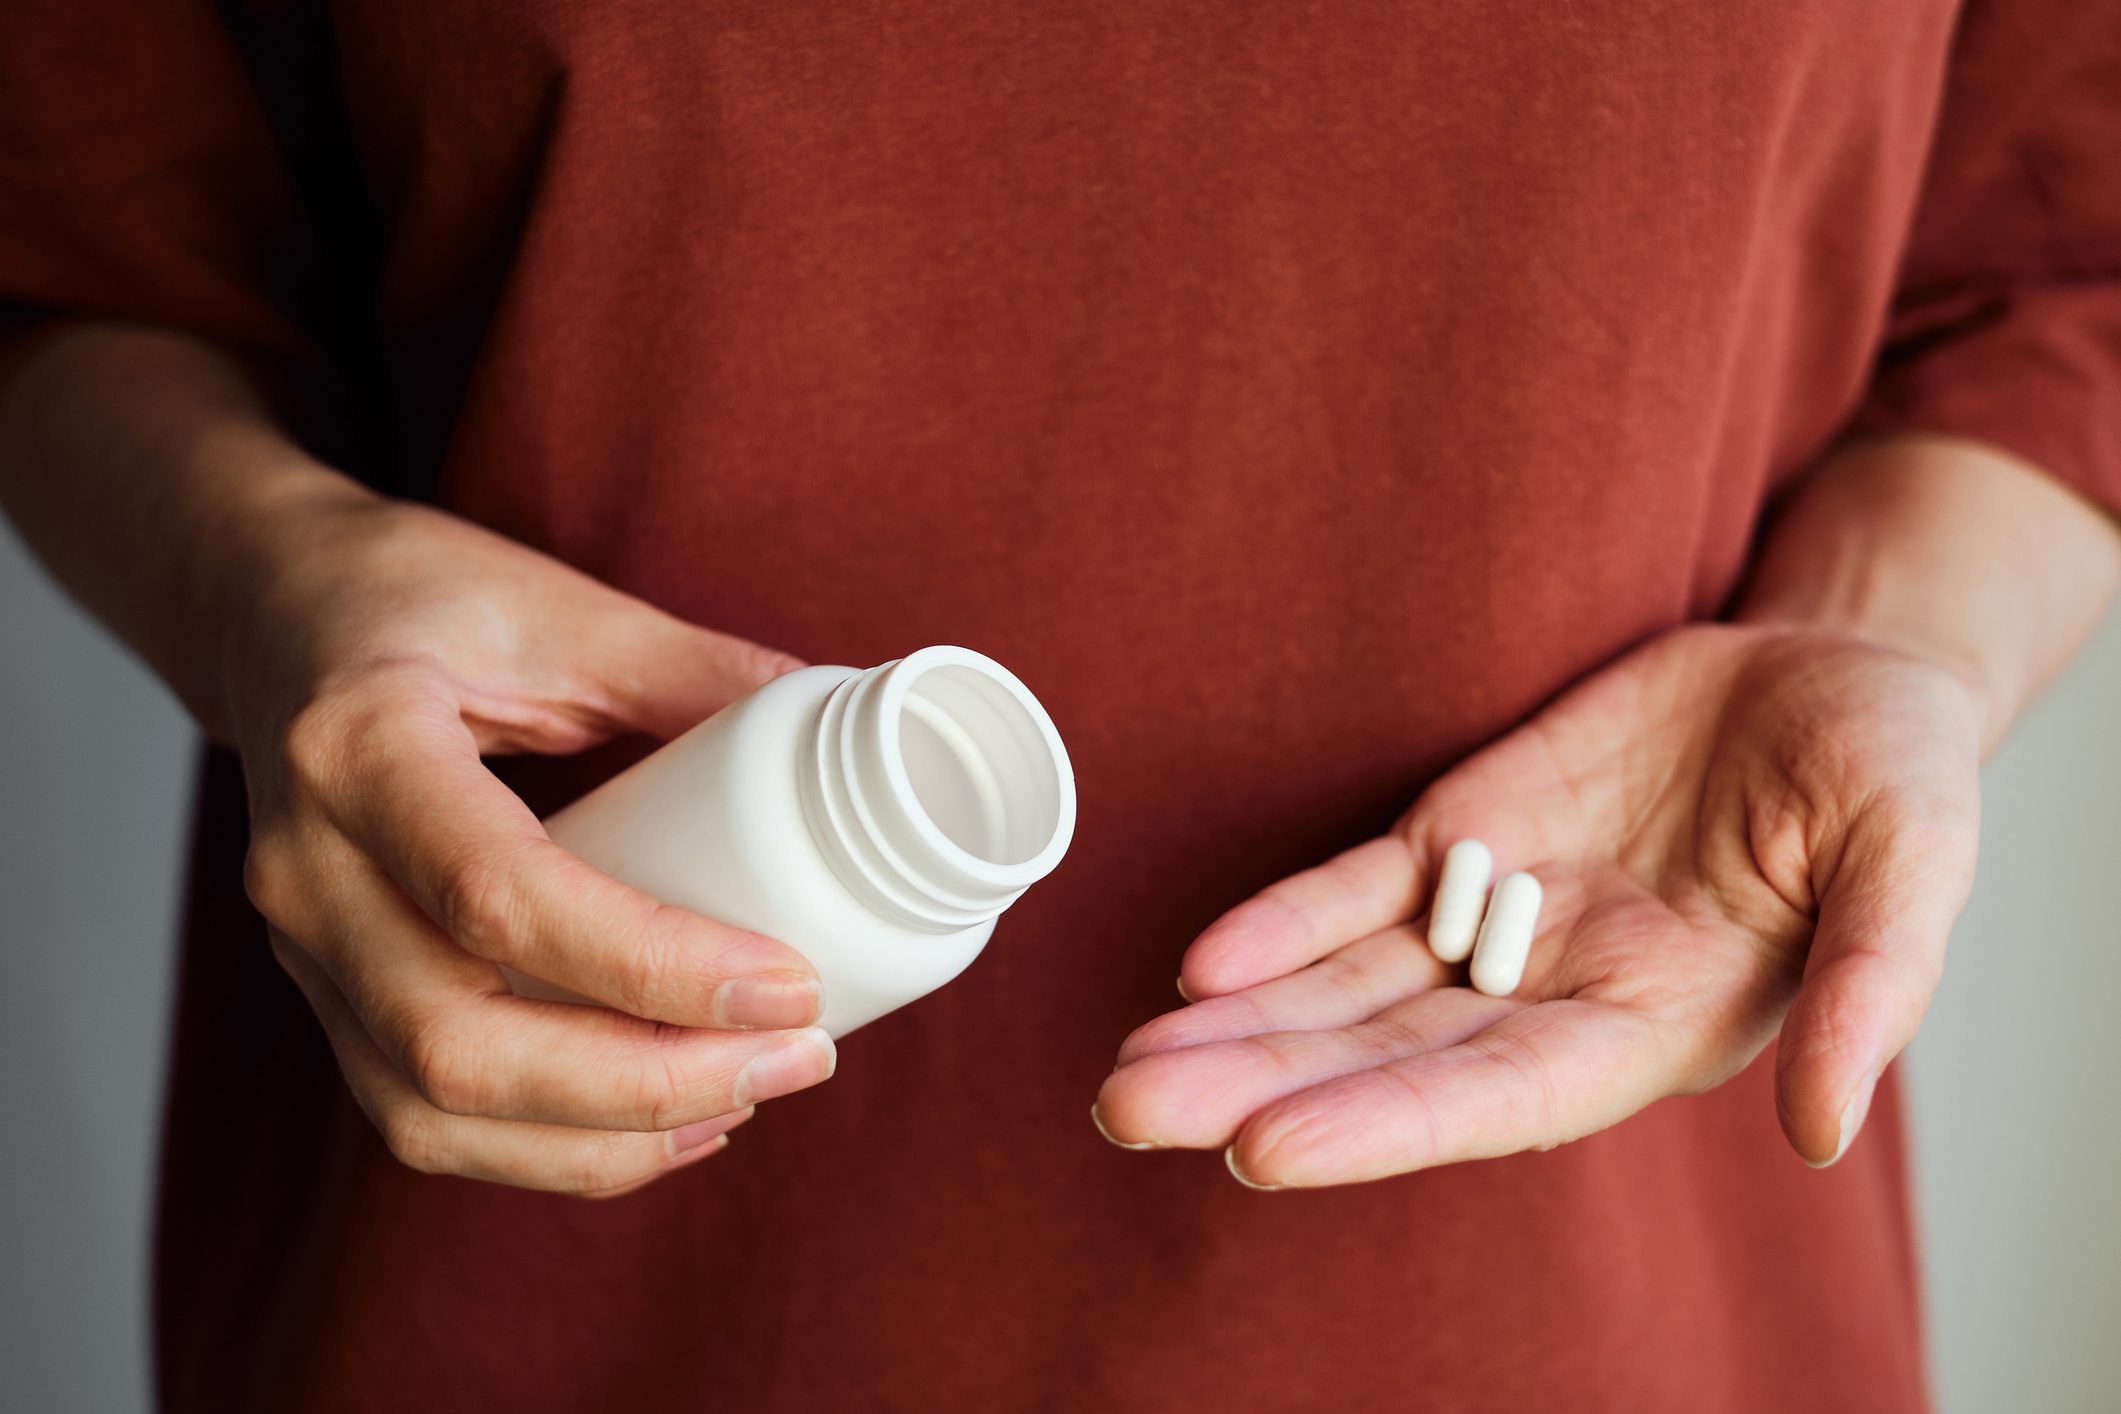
{"x":2017,"y":1145}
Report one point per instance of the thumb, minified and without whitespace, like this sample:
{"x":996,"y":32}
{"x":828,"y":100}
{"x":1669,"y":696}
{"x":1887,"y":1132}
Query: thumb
{"x":663,"y":676}
{"x":1903,"y":875}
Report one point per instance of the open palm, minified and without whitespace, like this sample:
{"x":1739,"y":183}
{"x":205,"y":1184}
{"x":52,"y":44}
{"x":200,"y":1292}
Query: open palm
{"x":1738,"y":829}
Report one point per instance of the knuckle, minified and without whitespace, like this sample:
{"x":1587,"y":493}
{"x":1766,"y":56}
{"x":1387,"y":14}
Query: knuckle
{"x":445,"y":1068}
{"x":376,"y":709}
{"x":481,"y":906}
{"x":659,"y":962}
{"x":1834,"y":1021}
{"x":664,"y":1098}
{"x":606,"y":1162}
{"x":1537,"y":1094}
{"x":311,"y":745}
{"x":1423,"y":1133}
{"x":1366,"y":977}
{"x":271,"y":880}
{"x":1389,"y":1035}
{"x":1272,"y":1149}
{"x":414,"y":1140}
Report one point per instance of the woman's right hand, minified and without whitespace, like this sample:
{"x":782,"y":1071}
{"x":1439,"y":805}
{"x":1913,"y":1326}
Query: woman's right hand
{"x":369,"y":657}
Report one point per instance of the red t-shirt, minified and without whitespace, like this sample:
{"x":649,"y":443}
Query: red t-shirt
{"x":1294,"y":395}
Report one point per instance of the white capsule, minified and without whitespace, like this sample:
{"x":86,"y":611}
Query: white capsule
{"x":1461,"y":894}
{"x":1506,"y":935}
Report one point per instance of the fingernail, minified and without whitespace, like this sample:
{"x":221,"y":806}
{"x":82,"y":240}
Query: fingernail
{"x":687,"y":1137}
{"x":1099,"y":1120}
{"x":714,"y":1144}
{"x":1181,"y":985}
{"x":1852,"y":1117}
{"x":1230,"y":1158}
{"x":769,"y":1001}
{"x":801,"y":1060}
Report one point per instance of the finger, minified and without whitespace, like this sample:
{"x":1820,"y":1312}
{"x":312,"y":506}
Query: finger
{"x":1386,"y":880}
{"x":473,"y":857}
{"x":508,"y":1057}
{"x":1541,"y":1076}
{"x":693,"y":1143}
{"x":1877,"y":953}
{"x":470,"y":1047}
{"x":663,"y":676}
{"x":1509,"y":807}
{"x":1295,"y":922}
{"x":1197,"y":1098}
{"x":586,"y":1162}
{"x":1340,"y":989}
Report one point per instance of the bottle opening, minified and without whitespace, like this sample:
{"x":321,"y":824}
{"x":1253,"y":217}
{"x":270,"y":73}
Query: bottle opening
{"x":979,"y":765}
{"x":938,"y":787}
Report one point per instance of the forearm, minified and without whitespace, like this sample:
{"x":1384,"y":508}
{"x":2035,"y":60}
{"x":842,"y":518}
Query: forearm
{"x":151,"y":479}
{"x":1947,"y":550}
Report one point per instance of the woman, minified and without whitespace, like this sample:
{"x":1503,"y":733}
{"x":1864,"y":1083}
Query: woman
{"x":1359,"y":424}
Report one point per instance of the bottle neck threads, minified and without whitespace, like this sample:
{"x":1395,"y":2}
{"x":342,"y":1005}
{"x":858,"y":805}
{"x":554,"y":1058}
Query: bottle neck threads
{"x":937,"y":788}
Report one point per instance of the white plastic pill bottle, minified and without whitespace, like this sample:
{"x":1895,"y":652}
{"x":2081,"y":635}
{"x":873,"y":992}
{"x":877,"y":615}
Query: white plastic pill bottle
{"x":878,"y":821}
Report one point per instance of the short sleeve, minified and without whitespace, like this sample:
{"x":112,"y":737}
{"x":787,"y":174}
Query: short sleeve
{"x":2007,"y":327}
{"x":141,"y":180}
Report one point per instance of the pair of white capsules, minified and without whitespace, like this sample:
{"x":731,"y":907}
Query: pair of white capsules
{"x":1497,"y":931}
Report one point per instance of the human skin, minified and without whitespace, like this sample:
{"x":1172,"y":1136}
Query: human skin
{"x":1693,"y":808}
{"x":361,"y":655}
{"x":1747,"y":828}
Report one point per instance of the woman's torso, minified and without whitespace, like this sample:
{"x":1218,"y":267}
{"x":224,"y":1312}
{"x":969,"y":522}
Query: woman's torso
{"x":1294,"y":396}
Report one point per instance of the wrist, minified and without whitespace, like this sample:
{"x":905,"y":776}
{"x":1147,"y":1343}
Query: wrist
{"x":1945,"y":551}
{"x":147,"y":474}
{"x":272,"y":528}
{"x":1859,"y":596}
{"x":1993,"y":698}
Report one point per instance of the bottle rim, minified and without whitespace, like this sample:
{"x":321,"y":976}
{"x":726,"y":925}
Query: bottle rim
{"x":897,"y":685}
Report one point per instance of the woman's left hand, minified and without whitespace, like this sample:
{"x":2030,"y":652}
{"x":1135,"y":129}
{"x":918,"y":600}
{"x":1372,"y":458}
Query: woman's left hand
{"x":1738,"y":828}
